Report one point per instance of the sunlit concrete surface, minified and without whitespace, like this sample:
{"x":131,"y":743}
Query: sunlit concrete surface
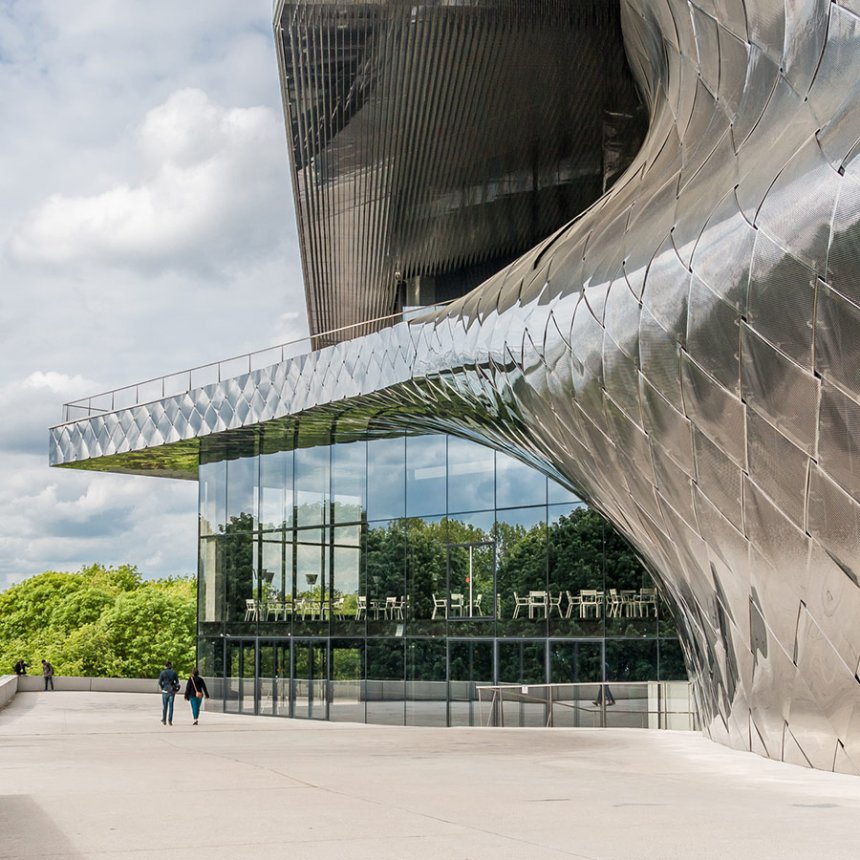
{"x":97,"y":775}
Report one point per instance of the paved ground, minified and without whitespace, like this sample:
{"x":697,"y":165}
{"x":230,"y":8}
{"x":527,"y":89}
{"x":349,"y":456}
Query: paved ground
{"x":96,"y":775}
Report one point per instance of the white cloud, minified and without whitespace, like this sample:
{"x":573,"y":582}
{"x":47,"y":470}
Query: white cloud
{"x":209,"y":171}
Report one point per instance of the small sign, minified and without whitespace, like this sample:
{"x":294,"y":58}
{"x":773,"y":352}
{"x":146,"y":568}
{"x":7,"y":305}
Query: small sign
{"x":524,"y":689}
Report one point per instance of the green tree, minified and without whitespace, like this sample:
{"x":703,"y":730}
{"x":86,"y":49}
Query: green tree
{"x":100,"y":621}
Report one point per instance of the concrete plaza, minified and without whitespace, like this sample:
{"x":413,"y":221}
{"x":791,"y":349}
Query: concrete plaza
{"x":97,"y":775}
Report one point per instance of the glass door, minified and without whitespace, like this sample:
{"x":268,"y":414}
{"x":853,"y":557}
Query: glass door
{"x":273,"y":687}
{"x":241,"y":692}
{"x":310,"y":679}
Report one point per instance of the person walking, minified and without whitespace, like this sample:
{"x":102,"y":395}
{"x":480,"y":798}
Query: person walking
{"x":168,"y":683}
{"x":195,"y":690}
{"x":48,"y":674}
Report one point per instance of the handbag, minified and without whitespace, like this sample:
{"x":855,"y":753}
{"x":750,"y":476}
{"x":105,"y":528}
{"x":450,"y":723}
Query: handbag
{"x":198,"y":693}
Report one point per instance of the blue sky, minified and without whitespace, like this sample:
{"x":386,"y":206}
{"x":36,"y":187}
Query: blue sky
{"x":147,"y":226}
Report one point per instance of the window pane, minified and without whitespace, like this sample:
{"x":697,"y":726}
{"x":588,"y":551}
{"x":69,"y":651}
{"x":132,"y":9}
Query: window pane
{"x":346,"y":701}
{"x":471,"y":476}
{"x":524,"y":600}
{"x":517,"y":484}
{"x":386,"y":478}
{"x":557,"y":494}
{"x":240,"y":568}
{"x":469,"y":664}
{"x":274,"y":478}
{"x":426,"y":561}
{"x":348,"y":481}
{"x":426,"y":683}
{"x":211,"y":584}
{"x":213,"y":497}
{"x":312,"y":485}
{"x":425,"y":475}
{"x":347,"y":569}
{"x":242,"y":492}
{"x":385,"y":681}
{"x":575,"y":540}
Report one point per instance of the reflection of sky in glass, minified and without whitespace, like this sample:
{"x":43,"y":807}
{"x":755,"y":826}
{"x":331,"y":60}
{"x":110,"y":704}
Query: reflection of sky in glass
{"x":526,"y":517}
{"x":471,"y":476}
{"x":346,"y":568}
{"x":212,"y":496}
{"x":557,"y":494}
{"x":556,"y":511}
{"x":348,"y":480}
{"x":242,"y":487}
{"x":386,"y":468}
{"x":518,"y":484}
{"x":312,"y":484}
{"x":425,"y":475}
{"x":273,"y":482}
{"x":310,"y":560}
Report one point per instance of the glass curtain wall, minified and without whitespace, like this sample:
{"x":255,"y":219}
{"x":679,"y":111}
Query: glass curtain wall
{"x":348,"y":577}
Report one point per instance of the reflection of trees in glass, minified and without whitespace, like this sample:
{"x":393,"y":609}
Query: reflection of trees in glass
{"x":672,"y":667}
{"x":237,"y":548}
{"x":471,"y":661}
{"x":385,"y":659}
{"x":346,"y":663}
{"x":522,"y":663}
{"x":386,"y":545}
{"x":426,"y":564}
{"x":631,"y":660}
{"x":426,"y":660}
{"x":522,"y":562}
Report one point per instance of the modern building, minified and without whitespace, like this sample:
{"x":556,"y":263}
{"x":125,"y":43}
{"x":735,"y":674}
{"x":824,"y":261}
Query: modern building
{"x":682,"y":354}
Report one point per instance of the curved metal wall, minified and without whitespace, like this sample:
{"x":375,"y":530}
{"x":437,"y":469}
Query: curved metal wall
{"x":429,"y":139}
{"x":685,"y":355}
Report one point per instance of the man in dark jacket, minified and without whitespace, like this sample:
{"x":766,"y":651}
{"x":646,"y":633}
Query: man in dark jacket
{"x":168,"y":683}
{"x":48,"y":674}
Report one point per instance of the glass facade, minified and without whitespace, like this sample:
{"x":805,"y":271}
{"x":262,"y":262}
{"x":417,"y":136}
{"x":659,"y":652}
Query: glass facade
{"x":352,"y":577}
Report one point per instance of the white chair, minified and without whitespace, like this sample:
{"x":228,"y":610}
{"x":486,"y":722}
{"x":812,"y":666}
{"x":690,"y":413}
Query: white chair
{"x":555,"y":603}
{"x":574,"y":601}
{"x":519,"y":603}
{"x":647,"y":599}
{"x":252,"y":610}
{"x":398,"y":604}
{"x":457,"y":604}
{"x":629,"y":598}
{"x":390,"y":608}
{"x":361,"y":608}
{"x":613,"y":605}
{"x":590,"y":599}
{"x":537,"y":603}
{"x":439,"y":603}
{"x":276,"y":608}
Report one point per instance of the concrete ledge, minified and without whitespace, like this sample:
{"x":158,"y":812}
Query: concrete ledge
{"x":8,"y":688}
{"x":35,"y":683}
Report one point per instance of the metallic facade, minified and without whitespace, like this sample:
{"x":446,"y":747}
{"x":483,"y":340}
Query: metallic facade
{"x":684,"y":355}
{"x":432,"y":144}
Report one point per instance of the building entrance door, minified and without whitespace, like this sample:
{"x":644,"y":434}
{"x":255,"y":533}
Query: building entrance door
{"x":273,"y":685}
{"x":310,"y":679}
{"x":241,"y":687}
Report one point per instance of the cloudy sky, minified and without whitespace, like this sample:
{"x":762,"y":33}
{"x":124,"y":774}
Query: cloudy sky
{"x":146,"y":226}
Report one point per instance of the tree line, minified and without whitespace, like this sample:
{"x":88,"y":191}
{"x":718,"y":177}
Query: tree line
{"x":99,"y":621}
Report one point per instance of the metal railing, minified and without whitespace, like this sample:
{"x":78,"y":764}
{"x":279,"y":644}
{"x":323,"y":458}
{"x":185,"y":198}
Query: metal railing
{"x":180,"y":382}
{"x":644,"y":705}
